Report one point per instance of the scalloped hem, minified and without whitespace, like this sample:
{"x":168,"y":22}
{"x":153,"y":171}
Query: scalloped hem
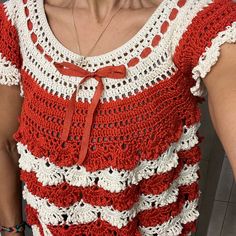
{"x":209,"y":58}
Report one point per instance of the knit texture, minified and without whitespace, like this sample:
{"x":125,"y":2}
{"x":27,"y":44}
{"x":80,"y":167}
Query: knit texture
{"x":136,"y":117}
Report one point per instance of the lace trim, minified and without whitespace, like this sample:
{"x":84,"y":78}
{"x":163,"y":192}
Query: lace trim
{"x":50,"y":214}
{"x":9,"y":74}
{"x":174,"y":226}
{"x":210,"y":57}
{"x":49,"y":174}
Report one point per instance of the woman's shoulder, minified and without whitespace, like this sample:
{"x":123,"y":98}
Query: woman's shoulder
{"x":203,"y":28}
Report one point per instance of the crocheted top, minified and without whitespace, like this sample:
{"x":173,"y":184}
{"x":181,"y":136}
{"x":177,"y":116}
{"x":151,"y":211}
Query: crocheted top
{"x":113,"y":148}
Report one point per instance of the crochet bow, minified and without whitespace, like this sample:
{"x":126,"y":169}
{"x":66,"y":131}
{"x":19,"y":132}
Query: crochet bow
{"x":66,"y":68}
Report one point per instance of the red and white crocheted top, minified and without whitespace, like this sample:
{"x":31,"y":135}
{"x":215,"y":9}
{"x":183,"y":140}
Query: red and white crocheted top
{"x":113,"y":148}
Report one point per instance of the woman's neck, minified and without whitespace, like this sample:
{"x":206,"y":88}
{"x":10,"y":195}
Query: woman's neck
{"x":100,"y":10}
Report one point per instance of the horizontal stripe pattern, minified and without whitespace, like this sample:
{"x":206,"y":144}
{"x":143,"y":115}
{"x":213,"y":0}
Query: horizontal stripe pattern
{"x":109,"y":179}
{"x":174,"y":225}
{"x":52,"y":214}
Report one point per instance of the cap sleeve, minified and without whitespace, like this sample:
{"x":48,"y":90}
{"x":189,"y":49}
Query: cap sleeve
{"x":10,"y":57}
{"x":199,"y":47}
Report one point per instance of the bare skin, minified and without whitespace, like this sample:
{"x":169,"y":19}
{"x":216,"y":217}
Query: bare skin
{"x":91,"y":18}
{"x":221,"y":86}
{"x":10,"y":187}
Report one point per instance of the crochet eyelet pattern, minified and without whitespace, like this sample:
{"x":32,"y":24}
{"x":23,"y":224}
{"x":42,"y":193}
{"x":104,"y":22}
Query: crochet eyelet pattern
{"x":113,"y":148}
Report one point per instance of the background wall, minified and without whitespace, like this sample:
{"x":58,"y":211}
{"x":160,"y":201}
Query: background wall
{"x":218,"y":201}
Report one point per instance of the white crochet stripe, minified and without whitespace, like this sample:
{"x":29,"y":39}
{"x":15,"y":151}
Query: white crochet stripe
{"x":82,"y":212}
{"x":64,"y":86}
{"x":174,"y":225}
{"x":210,"y":58}
{"x":35,"y":230}
{"x":9,"y":74}
{"x":188,"y":13}
{"x":110,"y":179}
{"x":46,"y":231}
{"x":188,"y":175}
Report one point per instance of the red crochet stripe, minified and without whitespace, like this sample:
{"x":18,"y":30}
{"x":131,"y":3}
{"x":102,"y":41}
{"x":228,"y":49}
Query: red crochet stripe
{"x":9,"y":46}
{"x":189,"y":227}
{"x":31,"y":213}
{"x":160,"y":182}
{"x":156,"y":216}
{"x":205,"y":26}
{"x":64,"y":195}
{"x":163,"y":181}
{"x":161,"y":111}
{"x":191,"y":191}
{"x":32,"y":217}
{"x":193,"y":155}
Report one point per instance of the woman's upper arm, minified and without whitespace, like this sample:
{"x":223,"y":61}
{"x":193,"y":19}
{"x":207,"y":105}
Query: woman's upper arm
{"x":221,"y":86}
{"x":206,"y":54}
{"x":10,"y":108}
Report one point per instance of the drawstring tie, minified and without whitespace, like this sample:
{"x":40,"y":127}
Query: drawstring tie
{"x":66,"y":68}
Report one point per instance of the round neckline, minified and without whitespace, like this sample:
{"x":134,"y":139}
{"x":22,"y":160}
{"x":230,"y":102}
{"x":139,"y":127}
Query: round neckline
{"x":137,"y":37}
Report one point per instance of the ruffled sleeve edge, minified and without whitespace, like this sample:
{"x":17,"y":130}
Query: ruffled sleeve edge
{"x":209,"y":58}
{"x":9,"y":73}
